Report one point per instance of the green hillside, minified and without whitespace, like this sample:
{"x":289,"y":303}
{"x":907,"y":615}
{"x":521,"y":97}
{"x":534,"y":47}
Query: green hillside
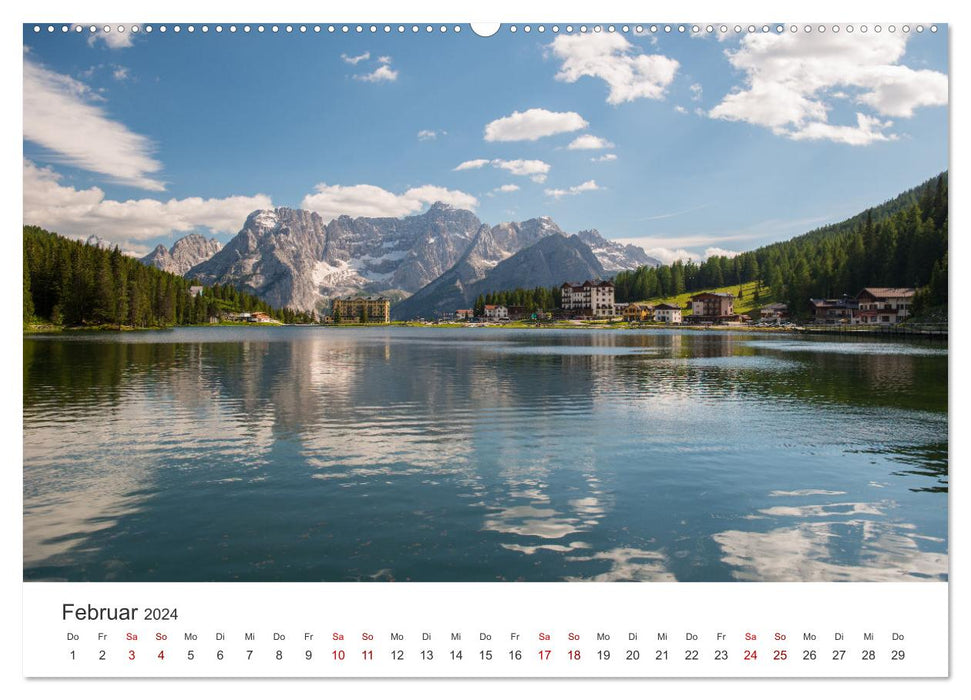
{"x":900,"y":243}
{"x":746,"y":303}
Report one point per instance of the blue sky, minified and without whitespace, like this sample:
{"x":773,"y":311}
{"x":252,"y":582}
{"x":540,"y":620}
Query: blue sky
{"x":693,"y":144}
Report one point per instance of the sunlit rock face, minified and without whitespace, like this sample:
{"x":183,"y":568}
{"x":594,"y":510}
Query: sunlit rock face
{"x":185,"y":253}
{"x":291,"y":257}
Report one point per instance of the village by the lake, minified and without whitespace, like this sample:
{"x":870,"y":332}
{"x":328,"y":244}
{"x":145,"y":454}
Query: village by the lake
{"x":883,"y":310}
{"x":593,"y":300}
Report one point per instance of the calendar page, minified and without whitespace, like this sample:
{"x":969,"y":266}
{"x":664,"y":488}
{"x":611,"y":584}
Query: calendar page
{"x":534,"y":349}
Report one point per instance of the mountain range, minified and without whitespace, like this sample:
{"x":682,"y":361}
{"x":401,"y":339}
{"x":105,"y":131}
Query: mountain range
{"x":549,"y":262}
{"x":185,"y":253}
{"x":292,"y":258}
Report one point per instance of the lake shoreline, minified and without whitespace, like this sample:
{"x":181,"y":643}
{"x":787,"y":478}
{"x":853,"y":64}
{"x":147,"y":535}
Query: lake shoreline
{"x":899,"y":332}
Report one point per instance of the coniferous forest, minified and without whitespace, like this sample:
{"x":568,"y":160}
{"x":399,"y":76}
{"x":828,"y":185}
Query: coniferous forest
{"x":71,"y":283}
{"x":535,"y":299}
{"x":901,"y":243}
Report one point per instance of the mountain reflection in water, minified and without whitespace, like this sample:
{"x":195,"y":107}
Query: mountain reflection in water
{"x":303,"y":454}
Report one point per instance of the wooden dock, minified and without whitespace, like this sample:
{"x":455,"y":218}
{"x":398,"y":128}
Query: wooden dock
{"x":911,"y":330}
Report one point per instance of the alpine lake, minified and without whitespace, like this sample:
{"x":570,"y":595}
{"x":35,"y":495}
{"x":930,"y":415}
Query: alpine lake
{"x":432,"y":454}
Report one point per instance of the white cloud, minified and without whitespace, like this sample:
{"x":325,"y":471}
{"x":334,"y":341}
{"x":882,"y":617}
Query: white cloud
{"x":71,"y":211}
{"x":605,"y":158}
{"x":670,"y":255}
{"x":613,"y":59}
{"x":354,"y":60}
{"x":896,"y":91}
{"x":534,"y":169}
{"x":502,"y":189}
{"x":120,"y":73}
{"x":384,"y":59}
{"x":383,"y":73}
{"x":696,"y":92}
{"x":588,"y":186}
{"x":430,"y":134}
{"x":792,"y":81}
{"x":113,"y":39}
{"x":589,"y":142}
{"x":680,"y":110}
{"x":713,"y":251}
{"x":697,"y":241}
{"x":331,"y":201}
{"x":59,"y":116}
{"x":867,"y":130}
{"x":533,"y":124}
{"x":473,"y":164}
{"x":697,"y":248}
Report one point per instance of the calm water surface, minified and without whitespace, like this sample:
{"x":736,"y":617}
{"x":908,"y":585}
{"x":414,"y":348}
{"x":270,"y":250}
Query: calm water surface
{"x":480,"y":454}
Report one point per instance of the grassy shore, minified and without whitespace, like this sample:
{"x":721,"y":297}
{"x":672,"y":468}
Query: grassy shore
{"x":746,"y":304}
{"x":592,"y":325}
{"x":34,"y":328}
{"x":47,"y":328}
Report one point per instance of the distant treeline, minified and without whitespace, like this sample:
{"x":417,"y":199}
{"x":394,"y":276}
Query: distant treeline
{"x":901,"y":243}
{"x":535,"y":299}
{"x":71,"y":283}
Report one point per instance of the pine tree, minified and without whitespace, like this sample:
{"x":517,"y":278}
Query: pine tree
{"x":751,"y":273}
{"x":28,"y":295}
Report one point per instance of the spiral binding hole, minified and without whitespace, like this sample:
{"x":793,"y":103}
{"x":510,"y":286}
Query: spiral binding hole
{"x":512,"y":29}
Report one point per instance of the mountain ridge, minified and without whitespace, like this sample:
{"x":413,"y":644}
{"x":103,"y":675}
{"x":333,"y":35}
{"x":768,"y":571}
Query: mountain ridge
{"x":290,"y":257}
{"x":548,"y":262}
{"x":185,"y":253}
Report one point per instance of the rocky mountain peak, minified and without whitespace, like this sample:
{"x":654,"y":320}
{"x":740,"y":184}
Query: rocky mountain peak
{"x":290,"y":257}
{"x":616,"y":256}
{"x":184,"y":254}
{"x":281,"y":216}
{"x":548,"y":262}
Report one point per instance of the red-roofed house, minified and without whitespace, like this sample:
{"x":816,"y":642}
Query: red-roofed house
{"x":883,"y":305}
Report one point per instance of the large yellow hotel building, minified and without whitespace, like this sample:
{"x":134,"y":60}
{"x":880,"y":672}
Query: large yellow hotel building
{"x":358,"y":309}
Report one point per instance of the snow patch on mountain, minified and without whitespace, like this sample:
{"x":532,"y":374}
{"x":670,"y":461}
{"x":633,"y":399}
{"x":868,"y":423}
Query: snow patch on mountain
{"x":290,"y":257}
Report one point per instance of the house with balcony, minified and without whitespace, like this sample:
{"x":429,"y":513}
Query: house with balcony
{"x":495,"y":312}
{"x":884,"y":306}
{"x":833,"y":312}
{"x":667,"y":313}
{"x":713,"y":307}
{"x":372,"y":309}
{"x":591,"y":299}
{"x":637,"y":312}
{"x":774,"y":313}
